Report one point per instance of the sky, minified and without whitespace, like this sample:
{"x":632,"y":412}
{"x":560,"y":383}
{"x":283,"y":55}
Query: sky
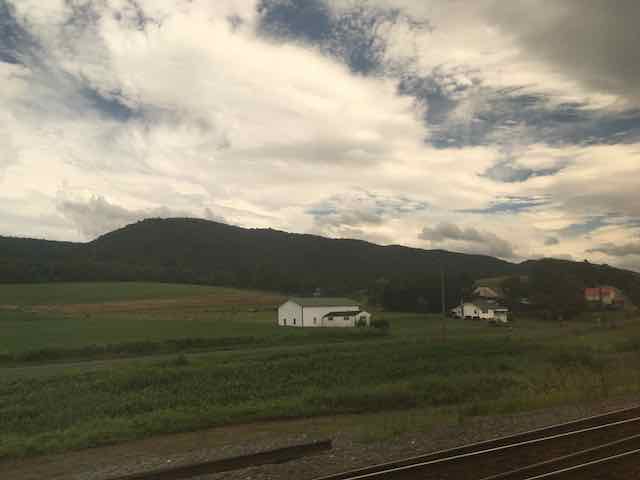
{"x":503,"y":128}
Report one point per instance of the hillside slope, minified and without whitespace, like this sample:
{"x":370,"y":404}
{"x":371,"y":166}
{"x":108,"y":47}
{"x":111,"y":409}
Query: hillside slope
{"x":212,"y":252}
{"x":32,"y":260}
{"x":201,"y":251}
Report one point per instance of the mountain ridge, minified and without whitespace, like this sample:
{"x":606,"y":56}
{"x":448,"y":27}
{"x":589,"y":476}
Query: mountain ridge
{"x":186,"y":250}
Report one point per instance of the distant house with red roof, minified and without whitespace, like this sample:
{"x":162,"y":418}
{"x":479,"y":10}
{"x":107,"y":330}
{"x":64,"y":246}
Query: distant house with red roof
{"x":605,"y":295}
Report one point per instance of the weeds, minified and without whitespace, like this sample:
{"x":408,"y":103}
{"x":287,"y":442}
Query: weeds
{"x":257,"y":371}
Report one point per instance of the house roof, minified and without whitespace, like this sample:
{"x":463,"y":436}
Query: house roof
{"x":490,"y":290}
{"x":324,"y":302}
{"x":343,"y":314}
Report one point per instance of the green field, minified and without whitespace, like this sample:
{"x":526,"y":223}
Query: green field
{"x":66,"y":316}
{"x":69,"y":293}
{"x":86,"y":376}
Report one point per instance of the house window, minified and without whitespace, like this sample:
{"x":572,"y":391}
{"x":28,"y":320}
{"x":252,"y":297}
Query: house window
{"x":345,"y":318}
{"x":294,"y":321}
{"x":284,"y":321}
{"x":314,"y":320}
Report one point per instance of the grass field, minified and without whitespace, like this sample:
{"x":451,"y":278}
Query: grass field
{"x":78,"y":316}
{"x":219,"y":366}
{"x":89,"y":293}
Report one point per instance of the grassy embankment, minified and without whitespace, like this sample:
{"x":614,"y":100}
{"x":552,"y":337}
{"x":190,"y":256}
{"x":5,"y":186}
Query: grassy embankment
{"x":474,"y":369}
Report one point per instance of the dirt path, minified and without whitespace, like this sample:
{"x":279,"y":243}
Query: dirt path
{"x":351,"y":448}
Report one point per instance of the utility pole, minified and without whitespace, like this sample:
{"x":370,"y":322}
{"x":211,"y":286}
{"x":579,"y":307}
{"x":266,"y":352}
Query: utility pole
{"x":444,"y":304}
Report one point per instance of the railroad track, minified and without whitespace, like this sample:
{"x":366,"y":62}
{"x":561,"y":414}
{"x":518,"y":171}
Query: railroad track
{"x":604,"y":446}
{"x":192,"y":470}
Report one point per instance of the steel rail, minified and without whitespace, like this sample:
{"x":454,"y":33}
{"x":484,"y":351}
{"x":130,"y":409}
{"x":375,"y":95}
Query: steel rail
{"x":587,"y":466}
{"x":487,"y":444}
{"x":416,"y":466}
{"x":566,"y":461}
{"x":279,"y":455}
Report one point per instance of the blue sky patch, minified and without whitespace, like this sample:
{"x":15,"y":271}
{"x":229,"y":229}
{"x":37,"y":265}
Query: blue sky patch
{"x":510,"y":205}
{"x":15,"y":41}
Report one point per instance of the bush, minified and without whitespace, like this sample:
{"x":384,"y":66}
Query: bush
{"x":381,"y":324}
{"x":179,"y":361}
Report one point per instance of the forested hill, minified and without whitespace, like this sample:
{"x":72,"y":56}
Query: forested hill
{"x":32,"y":260}
{"x":200,"y":251}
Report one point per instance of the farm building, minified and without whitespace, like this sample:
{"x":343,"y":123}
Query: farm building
{"x":482,"y":310}
{"x":606,"y":296}
{"x":483,"y":291}
{"x":321,"y":312}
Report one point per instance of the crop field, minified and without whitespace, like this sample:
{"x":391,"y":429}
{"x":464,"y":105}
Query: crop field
{"x":74,"y":316}
{"x":195,"y":359}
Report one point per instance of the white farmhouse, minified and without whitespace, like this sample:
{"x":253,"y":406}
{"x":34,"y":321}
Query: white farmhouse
{"x":321,"y":312}
{"x":482,"y":310}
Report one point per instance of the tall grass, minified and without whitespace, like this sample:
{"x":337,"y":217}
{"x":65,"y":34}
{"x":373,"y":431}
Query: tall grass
{"x":475,"y":376}
{"x":258,"y":371}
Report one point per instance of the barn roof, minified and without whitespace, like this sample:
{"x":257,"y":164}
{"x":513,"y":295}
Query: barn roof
{"x":324,"y":302}
{"x":490,"y":290}
{"x":343,"y":314}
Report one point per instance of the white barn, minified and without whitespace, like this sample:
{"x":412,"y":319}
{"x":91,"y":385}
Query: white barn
{"x":321,"y":312}
{"x":482,"y":310}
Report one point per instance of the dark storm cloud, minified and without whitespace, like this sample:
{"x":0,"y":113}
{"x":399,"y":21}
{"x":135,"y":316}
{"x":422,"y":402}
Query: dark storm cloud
{"x":468,"y":239}
{"x":595,"y":42}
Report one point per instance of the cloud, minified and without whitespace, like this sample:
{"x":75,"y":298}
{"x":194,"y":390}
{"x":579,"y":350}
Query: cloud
{"x":507,"y":172}
{"x":470,"y":239}
{"x":98,"y":216}
{"x":550,"y":241}
{"x":345,"y":215}
{"x":510,"y":205}
{"x":8,"y":151}
{"x":347,"y":118}
{"x":594,"y":43}
{"x":614,"y":250}
{"x":16,"y":42}
{"x":478,"y":85}
{"x":357,"y":33}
